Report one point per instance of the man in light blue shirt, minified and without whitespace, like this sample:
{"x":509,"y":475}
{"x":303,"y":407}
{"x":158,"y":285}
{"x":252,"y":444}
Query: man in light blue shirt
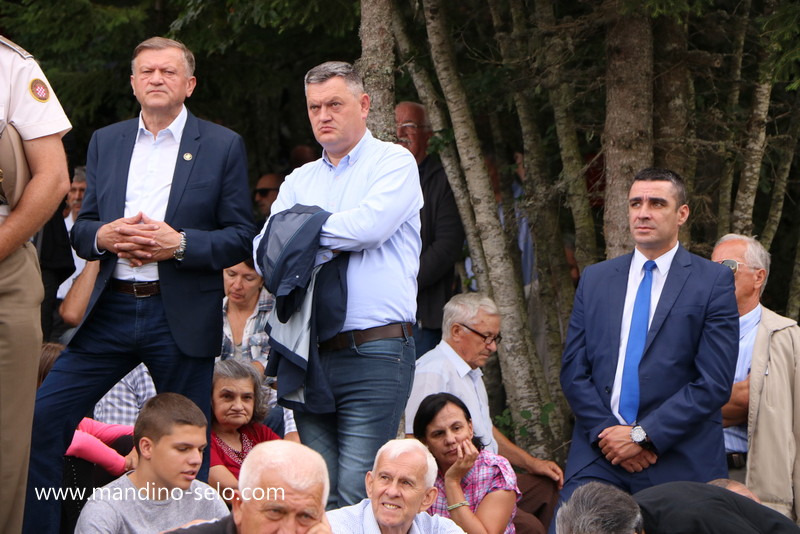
{"x":760,"y":419}
{"x":401,"y":489}
{"x":372,"y":190}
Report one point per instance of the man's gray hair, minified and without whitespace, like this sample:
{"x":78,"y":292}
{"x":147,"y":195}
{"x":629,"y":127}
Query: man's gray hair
{"x":394,"y":448}
{"x":301,"y":467}
{"x":597,"y":508}
{"x":463,"y":308}
{"x":80,"y":174}
{"x":331,"y":69}
{"x":755,"y":255}
{"x":162,"y":43}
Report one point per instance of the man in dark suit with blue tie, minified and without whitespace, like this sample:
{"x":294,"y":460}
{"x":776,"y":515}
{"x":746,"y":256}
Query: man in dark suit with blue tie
{"x":167,"y":208}
{"x":650,"y":353}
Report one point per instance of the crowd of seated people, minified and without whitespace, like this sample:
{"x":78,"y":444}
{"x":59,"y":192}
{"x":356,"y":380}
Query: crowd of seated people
{"x":475,"y":488}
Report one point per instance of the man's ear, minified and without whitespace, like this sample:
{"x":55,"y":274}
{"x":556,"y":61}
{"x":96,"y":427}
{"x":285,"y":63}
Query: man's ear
{"x":368,"y":483}
{"x":236,"y":509}
{"x":146,"y":448}
{"x":429,"y":499}
{"x":761,"y":275}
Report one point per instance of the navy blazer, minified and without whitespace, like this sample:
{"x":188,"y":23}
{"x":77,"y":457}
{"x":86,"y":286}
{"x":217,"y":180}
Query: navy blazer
{"x":209,"y":200}
{"x":685,"y":374}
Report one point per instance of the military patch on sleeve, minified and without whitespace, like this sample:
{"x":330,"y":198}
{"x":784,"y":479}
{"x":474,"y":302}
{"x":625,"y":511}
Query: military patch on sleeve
{"x":39,"y":90}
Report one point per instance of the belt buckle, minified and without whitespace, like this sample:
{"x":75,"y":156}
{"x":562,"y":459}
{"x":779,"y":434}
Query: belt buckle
{"x":136,"y":290}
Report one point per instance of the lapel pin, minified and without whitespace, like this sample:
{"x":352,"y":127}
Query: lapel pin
{"x":187,"y":156}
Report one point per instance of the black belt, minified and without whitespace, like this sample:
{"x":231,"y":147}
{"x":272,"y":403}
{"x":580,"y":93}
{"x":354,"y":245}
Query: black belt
{"x":137,"y":289}
{"x":737,"y":460}
{"x":354,"y":338}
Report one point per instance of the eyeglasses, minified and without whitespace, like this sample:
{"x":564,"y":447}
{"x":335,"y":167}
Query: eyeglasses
{"x":733,"y":265}
{"x":487,"y":339}
{"x":264,"y":191}
{"x":408,"y":124}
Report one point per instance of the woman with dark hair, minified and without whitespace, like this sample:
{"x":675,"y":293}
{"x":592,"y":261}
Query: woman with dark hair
{"x":238,"y":405}
{"x":477,"y":488}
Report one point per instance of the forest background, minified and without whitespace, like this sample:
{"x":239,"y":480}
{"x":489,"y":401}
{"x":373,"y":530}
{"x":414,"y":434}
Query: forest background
{"x":590,"y":91}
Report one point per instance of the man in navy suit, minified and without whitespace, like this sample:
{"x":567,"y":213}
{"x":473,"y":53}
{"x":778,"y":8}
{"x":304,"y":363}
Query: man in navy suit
{"x":661,"y":422}
{"x":167,"y":208}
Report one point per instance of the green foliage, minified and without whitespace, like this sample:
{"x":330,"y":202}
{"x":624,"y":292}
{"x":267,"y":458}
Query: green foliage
{"x":333,"y":17}
{"x":782,"y":29}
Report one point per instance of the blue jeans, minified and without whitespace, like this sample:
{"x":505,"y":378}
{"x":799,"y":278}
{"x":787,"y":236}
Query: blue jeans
{"x":121,"y":331}
{"x":371,"y":384}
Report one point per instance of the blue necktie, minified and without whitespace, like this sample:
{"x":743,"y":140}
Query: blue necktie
{"x":629,"y":392}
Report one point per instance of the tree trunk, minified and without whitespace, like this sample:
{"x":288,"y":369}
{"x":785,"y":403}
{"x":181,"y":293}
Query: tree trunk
{"x":432,"y":101}
{"x":673,"y":104}
{"x":525,"y":386}
{"x":729,"y":168}
{"x":376,"y":66}
{"x":628,"y":132}
{"x":553,"y":290}
{"x":561,"y":97}
{"x":756,"y":135}
{"x":793,"y":304}
{"x":786,"y":151}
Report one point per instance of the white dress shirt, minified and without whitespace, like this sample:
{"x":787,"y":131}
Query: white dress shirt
{"x":442,"y":369}
{"x":149,"y":183}
{"x":635,"y":276}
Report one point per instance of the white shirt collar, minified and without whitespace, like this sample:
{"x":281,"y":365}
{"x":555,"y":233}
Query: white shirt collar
{"x":663,"y":262}
{"x":175,"y":128}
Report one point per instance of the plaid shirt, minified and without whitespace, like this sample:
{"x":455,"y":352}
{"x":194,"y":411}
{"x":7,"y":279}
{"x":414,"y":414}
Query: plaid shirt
{"x":122,"y":403}
{"x":491,"y":472}
{"x":255,"y":346}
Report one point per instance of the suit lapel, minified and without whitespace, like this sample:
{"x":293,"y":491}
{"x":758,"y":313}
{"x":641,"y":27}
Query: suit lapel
{"x":679,"y":272}
{"x":123,"y":165}
{"x":617,"y":288}
{"x":187,"y":155}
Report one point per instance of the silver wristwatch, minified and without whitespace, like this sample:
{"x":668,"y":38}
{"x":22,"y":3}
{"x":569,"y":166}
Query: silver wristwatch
{"x":638,"y":435}
{"x":180,"y":252}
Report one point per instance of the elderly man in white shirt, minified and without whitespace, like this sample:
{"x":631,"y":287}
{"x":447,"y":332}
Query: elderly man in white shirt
{"x":400,"y":490}
{"x":470,"y":334}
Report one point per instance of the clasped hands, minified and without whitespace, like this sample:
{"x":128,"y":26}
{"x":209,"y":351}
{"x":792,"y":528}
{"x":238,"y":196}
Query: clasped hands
{"x":139,"y":239}
{"x":619,"y":449}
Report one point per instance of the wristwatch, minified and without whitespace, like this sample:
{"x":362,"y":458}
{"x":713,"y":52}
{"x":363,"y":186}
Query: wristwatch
{"x":180,"y":252}
{"x":638,"y":435}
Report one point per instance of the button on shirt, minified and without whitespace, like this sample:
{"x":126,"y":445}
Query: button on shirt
{"x":149,"y":183}
{"x":736,"y":436}
{"x":374,"y":197}
{"x":635,"y":276}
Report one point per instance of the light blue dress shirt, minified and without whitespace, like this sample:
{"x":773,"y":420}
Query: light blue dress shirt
{"x":736,"y":436}
{"x":375,"y":198}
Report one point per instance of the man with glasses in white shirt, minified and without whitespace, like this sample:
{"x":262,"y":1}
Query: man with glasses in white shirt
{"x":470,"y":334}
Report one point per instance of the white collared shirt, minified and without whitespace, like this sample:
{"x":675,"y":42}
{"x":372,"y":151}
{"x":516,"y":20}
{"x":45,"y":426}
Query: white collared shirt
{"x":635,"y":276}
{"x":149,"y":183}
{"x":442,"y":369}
